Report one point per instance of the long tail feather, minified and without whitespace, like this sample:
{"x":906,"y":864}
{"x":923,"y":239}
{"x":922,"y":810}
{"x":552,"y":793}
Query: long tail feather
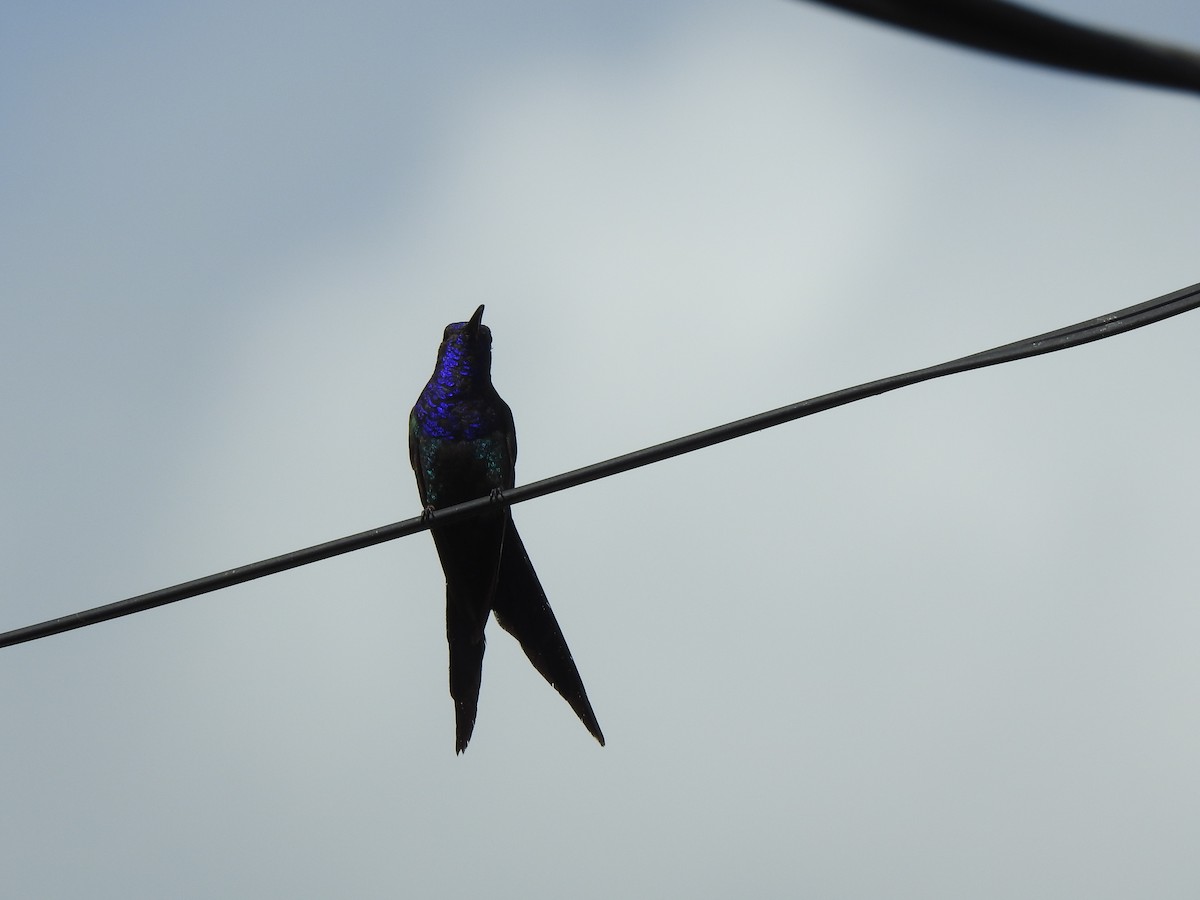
{"x":524,"y":612}
{"x":470,"y":582}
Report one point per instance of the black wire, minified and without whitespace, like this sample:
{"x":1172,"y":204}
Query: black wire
{"x":1147,"y":313}
{"x":1011,"y":30}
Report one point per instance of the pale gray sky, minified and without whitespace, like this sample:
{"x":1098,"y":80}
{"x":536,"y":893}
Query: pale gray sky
{"x":938,"y":644}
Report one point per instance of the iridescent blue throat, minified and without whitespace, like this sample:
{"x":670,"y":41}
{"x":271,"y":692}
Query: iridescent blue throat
{"x":460,"y":376}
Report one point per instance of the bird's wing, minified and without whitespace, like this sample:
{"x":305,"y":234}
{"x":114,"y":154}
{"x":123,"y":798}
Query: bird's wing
{"x":414,"y":455}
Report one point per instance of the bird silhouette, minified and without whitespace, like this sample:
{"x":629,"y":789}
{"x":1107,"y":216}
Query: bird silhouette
{"x":463,"y":445}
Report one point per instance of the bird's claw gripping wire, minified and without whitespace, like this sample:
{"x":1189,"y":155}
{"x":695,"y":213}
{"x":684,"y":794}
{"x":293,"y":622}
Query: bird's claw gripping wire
{"x":428,"y":512}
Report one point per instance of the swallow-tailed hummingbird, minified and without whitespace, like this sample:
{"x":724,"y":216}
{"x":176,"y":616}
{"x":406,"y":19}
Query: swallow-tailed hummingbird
{"x":463,"y":445}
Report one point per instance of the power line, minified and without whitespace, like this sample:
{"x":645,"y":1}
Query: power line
{"x":1007,"y":29}
{"x":1147,"y":313}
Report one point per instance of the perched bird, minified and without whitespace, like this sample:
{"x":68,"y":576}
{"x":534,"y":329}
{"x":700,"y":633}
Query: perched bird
{"x":463,"y":445}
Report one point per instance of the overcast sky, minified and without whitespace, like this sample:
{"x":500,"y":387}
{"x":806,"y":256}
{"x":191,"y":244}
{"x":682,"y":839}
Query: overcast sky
{"x":943,"y":643}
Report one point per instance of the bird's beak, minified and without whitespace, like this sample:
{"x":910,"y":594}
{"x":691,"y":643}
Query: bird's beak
{"x":473,"y":324}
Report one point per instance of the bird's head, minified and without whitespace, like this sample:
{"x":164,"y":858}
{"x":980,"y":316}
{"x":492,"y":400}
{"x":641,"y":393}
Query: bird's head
{"x":467,"y":346}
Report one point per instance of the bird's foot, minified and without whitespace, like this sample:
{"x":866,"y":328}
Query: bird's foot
{"x":496,"y":495}
{"x":427,"y":514}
